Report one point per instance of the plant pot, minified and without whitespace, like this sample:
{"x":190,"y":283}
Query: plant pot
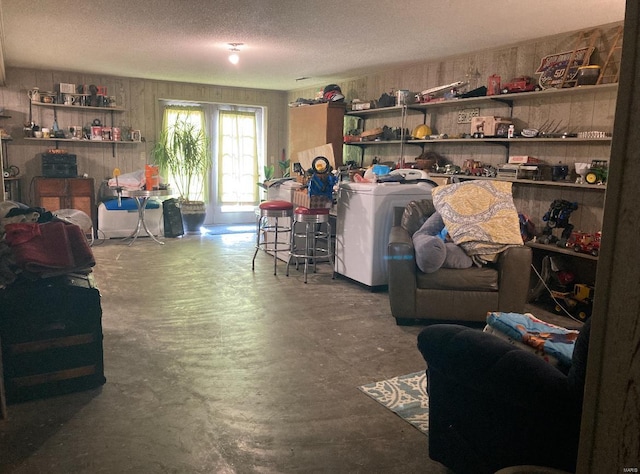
{"x":193,"y":215}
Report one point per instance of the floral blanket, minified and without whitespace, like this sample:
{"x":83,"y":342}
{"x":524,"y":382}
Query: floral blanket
{"x":480,"y":216}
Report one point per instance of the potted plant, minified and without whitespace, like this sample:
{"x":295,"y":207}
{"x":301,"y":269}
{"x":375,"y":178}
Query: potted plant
{"x":183,"y":152}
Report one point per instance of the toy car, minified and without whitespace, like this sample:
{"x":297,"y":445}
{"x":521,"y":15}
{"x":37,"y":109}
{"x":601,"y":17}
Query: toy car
{"x":520,"y":84}
{"x":448,"y":169}
{"x":584,"y":242}
{"x":598,"y":172}
{"x":472,"y":168}
{"x":579,"y":303}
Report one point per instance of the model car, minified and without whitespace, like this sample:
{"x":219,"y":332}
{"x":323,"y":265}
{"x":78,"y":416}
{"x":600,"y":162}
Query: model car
{"x":520,"y":84}
{"x":597,"y":173}
{"x":585,"y":242}
{"x":472,"y":168}
{"x":578,"y":303}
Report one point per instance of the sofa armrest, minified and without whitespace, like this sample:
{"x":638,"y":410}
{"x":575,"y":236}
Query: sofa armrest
{"x":514,"y":273}
{"x":486,"y":364}
{"x":401,"y":267}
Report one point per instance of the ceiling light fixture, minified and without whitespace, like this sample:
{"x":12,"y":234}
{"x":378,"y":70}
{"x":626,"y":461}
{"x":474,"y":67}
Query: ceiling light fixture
{"x":234,"y":58}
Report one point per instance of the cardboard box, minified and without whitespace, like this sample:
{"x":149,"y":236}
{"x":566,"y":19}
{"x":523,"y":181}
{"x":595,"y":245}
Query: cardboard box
{"x":490,"y":126}
{"x":302,"y":198}
{"x":523,"y":159}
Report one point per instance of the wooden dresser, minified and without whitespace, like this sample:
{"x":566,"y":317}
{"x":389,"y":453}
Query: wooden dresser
{"x":53,"y":194}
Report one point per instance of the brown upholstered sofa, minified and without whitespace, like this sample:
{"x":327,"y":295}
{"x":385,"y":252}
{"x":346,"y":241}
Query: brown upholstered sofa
{"x":450,"y":294}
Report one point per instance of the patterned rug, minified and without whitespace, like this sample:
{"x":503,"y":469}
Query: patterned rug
{"x":406,"y":396}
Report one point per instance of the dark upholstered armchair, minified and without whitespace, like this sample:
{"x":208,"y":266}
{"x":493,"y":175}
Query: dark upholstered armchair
{"x":493,"y":405}
{"x":450,"y":294}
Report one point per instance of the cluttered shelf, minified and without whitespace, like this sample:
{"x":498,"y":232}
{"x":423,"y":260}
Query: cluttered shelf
{"x":509,"y":98}
{"x":572,"y":140}
{"x":79,"y":107}
{"x":81,"y":140}
{"x":532,"y":182}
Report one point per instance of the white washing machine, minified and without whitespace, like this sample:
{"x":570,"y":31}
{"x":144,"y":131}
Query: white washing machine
{"x":365,"y":216}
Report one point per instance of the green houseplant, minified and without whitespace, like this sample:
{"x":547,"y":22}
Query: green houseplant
{"x":183,"y":152}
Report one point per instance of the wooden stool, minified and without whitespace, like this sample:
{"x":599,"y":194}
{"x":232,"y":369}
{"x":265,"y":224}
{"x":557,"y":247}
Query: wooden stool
{"x":310,"y":252}
{"x":272,"y":210}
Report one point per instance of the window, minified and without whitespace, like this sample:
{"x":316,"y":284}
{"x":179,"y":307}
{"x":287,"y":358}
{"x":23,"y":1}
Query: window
{"x":191,"y":184}
{"x":237,"y":158}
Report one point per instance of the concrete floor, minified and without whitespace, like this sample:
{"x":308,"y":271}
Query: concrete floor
{"x":212,"y":368}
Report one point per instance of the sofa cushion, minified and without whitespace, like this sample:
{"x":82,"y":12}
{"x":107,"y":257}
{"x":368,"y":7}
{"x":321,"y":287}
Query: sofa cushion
{"x":471,"y":279}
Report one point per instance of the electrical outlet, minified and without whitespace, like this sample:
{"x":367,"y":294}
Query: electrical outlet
{"x":142,"y":156}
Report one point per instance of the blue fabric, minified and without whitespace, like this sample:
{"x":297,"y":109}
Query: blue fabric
{"x":129,"y":204}
{"x":556,"y":341}
{"x":322,"y":186}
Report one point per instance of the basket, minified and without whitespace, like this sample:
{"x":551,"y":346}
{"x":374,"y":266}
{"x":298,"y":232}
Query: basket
{"x":301,"y":198}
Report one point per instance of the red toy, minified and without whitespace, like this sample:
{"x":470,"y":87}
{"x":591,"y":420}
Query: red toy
{"x":585,"y":242}
{"x":520,"y":84}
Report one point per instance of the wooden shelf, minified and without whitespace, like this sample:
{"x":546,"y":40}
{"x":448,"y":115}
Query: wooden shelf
{"x":75,"y":140}
{"x":79,"y":107}
{"x":529,"y":182}
{"x":508,"y":99}
{"x":564,"y":251}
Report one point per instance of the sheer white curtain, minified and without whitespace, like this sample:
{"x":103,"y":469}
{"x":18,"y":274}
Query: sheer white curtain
{"x":237,"y":158}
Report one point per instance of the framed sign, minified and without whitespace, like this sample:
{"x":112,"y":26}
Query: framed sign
{"x":560,"y":69}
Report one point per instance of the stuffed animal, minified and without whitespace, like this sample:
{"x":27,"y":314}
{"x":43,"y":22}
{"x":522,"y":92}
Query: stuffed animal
{"x":435,"y":250}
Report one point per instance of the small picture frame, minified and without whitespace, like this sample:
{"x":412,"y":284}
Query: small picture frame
{"x":135,"y":135}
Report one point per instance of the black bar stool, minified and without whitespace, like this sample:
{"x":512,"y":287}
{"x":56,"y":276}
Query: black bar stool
{"x":268,"y":215}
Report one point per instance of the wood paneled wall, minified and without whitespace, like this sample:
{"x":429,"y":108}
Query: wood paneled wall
{"x":140,"y":99}
{"x":574,"y":113}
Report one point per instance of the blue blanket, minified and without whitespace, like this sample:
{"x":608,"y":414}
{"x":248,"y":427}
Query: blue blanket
{"x":548,"y":338}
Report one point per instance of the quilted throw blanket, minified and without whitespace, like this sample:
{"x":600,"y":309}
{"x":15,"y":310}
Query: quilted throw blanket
{"x":544,"y":337}
{"x":480,"y":217}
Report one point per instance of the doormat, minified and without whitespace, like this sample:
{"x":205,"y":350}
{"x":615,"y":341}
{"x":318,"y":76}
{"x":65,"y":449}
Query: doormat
{"x":405,"y":395}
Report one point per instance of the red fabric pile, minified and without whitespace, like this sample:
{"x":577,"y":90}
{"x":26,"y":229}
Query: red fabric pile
{"x":50,"y":248}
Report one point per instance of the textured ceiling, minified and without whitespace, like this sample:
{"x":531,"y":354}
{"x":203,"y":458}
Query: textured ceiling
{"x":186,"y":40}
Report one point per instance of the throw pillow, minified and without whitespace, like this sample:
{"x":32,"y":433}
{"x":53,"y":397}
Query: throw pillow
{"x":430,"y":251}
{"x":432,"y":226}
{"x":456,"y":257}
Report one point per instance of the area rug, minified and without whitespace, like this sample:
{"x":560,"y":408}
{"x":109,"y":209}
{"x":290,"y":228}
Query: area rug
{"x":405,"y":395}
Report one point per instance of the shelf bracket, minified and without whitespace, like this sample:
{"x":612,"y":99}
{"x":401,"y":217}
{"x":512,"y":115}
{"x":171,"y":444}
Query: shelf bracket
{"x":502,"y":100}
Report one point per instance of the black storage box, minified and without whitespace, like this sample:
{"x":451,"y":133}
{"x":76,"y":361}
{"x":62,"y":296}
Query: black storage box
{"x":172,"y":218}
{"x":51,"y":332}
{"x":59,"y":165}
